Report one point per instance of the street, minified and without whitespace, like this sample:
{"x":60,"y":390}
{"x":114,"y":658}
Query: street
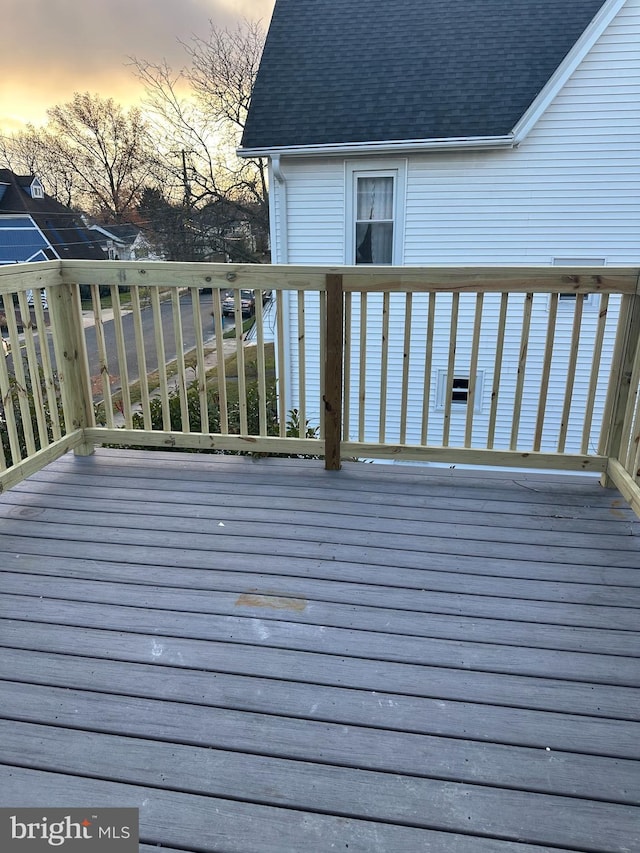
{"x":151,"y":356}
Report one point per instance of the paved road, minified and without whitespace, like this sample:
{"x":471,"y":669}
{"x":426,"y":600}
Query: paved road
{"x":166,"y":313}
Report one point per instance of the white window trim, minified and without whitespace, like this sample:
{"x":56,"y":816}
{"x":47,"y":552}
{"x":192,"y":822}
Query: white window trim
{"x":592,"y":300}
{"x":441,"y":387}
{"x":37,"y":190}
{"x":396,"y":169}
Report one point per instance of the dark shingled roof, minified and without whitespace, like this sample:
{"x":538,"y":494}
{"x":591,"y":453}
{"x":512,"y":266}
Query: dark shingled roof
{"x":339,"y":71}
{"x":61,"y":226}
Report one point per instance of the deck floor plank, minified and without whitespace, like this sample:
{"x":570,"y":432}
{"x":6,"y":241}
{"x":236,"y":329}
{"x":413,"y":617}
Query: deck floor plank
{"x":265,"y":656}
{"x":260,"y":600}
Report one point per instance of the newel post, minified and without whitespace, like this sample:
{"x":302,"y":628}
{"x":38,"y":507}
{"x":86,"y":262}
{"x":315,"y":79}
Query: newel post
{"x":618,"y":397}
{"x":65,"y":314}
{"x":332,"y":393}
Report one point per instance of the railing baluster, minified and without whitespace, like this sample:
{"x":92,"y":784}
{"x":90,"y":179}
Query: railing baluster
{"x":473,"y":370}
{"x":546,"y":370}
{"x":384,"y":368}
{"x":497,"y":369}
{"x":143,"y":379}
{"x":323,"y":358}
{"x":181,"y":377}
{"x":362,"y":379}
{"x":281,"y":362}
{"x":346,"y":416}
{"x":261,"y":366}
{"x":221,"y":370}
{"x":123,"y":367}
{"x":48,"y":377}
{"x":163,"y":385}
{"x":451,"y":366}
{"x":103,"y":361}
{"x":571,"y":372}
{"x":406,"y":356}
{"x":428,"y":366}
{"x":302,"y":364}
{"x":201,"y":370}
{"x":522,"y":367}
{"x":596,"y":362}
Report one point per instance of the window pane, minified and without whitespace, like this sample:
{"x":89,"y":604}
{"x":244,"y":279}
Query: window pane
{"x":375,"y":199}
{"x":374,"y":243}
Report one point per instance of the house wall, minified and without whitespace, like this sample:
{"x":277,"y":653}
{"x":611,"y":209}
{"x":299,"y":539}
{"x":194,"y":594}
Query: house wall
{"x":569,"y":192}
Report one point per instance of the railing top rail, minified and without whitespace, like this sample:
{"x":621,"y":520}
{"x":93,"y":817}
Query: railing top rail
{"x":17,"y":277}
{"x":365,"y":278}
{"x":525,"y":279}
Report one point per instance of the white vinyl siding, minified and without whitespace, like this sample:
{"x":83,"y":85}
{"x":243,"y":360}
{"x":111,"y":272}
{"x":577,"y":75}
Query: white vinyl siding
{"x":570,"y":190}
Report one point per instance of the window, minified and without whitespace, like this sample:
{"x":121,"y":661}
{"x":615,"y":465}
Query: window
{"x":37,"y":190}
{"x":374,"y":207}
{"x":459,"y":390}
{"x":374,"y":220}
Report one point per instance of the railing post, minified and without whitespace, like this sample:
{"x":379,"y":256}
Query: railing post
{"x":65,"y":313}
{"x":332,"y":392}
{"x":625,"y":353}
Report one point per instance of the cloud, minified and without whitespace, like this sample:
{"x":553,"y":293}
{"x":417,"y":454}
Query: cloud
{"x":58,"y":48}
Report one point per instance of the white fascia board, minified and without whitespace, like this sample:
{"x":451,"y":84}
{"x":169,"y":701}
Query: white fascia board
{"x":384,"y":147}
{"x":566,"y":68}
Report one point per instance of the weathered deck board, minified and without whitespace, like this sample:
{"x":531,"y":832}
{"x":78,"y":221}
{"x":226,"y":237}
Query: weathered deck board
{"x":264,"y":656}
{"x":297,"y":700}
{"x":259,"y":599}
{"x":211,"y":823}
{"x":345,"y":643}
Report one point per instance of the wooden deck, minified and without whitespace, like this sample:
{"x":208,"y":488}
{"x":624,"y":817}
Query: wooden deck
{"x":265,"y":656}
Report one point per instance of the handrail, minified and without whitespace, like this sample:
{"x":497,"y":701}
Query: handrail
{"x":373,"y":365}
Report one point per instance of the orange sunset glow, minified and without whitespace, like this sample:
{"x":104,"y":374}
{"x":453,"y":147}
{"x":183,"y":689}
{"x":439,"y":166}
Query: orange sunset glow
{"x":52,"y":50}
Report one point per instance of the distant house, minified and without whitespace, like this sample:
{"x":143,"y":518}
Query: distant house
{"x":35,"y":227}
{"x":438,"y":132}
{"x":125,"y":242}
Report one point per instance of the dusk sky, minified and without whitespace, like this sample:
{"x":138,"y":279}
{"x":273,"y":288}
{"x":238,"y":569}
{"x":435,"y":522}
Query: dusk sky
{"x":53,"y":48}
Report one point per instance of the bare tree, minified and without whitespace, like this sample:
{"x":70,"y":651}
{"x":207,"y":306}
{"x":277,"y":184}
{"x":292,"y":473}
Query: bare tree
{"x":33,"y":152}
{"x":199,"y":113}
{"x":107,"y":150}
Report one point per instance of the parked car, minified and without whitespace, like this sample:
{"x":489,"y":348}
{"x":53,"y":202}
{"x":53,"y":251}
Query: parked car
{"x":247,"y":303}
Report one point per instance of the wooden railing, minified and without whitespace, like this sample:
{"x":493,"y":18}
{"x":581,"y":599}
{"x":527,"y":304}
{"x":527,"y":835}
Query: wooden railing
{"x":535,"y":367}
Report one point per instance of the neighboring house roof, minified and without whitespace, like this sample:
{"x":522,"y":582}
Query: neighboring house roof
{"x":61,"y":229}
{"x":335,"y":72}
{"x":125,"y":233}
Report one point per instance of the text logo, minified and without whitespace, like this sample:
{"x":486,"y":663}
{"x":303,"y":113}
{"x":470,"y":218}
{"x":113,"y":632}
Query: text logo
{"x":69,"y":830}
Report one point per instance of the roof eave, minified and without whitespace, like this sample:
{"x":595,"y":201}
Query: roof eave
{"x":382,"y":147}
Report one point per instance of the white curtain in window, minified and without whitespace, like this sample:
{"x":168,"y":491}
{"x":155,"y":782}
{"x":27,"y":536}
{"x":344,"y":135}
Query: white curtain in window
{"x":374,"y":220}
